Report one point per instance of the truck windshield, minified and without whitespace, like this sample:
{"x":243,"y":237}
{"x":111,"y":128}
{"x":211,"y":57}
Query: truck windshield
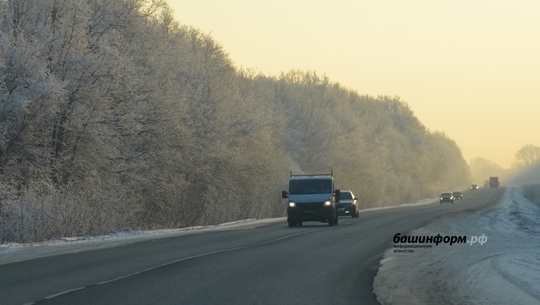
{"x":310,"y":186}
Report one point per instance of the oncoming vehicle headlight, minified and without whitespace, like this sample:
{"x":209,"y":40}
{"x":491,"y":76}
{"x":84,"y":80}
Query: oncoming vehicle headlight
{"x":292,"y":204}
{"x":327,"y":203}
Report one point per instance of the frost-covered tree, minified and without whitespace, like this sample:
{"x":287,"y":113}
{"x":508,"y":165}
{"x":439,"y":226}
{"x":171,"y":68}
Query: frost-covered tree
{"x":482,"y":169}
{"x":527,"y":155}
{"x":115,"y":116}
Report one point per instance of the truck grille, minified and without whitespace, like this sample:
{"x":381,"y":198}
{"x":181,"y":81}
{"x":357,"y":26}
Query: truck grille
{"x":310,"y":206}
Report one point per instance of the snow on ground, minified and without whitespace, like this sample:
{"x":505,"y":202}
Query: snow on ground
{"x":505,"y":269}
{"x":13,"y":252}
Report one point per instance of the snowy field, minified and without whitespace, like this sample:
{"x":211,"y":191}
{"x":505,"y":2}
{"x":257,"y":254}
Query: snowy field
{"x":505,"y":269}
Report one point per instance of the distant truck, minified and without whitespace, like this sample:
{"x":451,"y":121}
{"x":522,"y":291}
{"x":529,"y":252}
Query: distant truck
{"x":493,"y":182}
{"x":311,"y":197}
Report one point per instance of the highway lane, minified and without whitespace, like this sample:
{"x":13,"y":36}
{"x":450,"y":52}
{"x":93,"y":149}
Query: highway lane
{"x":274,"y":264}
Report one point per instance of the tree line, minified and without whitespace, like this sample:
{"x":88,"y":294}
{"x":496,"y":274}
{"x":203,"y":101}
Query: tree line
{"x":525,"y":165}
{"x":115,"y":116}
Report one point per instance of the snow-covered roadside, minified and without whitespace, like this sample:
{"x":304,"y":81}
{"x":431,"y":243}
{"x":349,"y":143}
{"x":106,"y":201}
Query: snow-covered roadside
{"x":503,"y":270}
{"x":13,"y":252}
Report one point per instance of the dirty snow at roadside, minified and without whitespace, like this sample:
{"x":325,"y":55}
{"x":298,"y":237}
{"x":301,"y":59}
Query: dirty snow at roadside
{"x":503,"y":270}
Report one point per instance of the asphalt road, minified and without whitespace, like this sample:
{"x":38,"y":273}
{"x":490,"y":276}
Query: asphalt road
{"x":272,"y":264}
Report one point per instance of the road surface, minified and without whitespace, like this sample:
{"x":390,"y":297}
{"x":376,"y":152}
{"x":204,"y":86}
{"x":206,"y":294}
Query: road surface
{"x":271,"y":264}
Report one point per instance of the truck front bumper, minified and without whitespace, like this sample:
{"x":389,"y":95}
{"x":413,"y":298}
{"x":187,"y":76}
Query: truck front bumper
{"x":310,"y":212}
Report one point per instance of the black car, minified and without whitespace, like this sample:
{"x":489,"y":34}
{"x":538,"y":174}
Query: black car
{"x":474,"y":187}
{"x":348,"y":204}
{"x":446,"y":197}
{"x":458,"y":195}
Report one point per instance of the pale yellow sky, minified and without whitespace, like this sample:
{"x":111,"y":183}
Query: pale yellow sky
{"x":468,"y":68}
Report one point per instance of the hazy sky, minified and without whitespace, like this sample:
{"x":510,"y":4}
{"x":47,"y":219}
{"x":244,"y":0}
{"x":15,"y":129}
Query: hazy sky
{"x":468,"y":68}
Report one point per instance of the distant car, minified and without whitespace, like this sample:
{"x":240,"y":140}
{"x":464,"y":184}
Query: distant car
{"x":458,"y":195}
{"x":446,"y":197}
{"x":474,"y":187}
{"x":347,"y":204}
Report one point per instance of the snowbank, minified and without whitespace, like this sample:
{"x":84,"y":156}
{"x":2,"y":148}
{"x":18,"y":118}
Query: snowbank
{"x":505,"y":269}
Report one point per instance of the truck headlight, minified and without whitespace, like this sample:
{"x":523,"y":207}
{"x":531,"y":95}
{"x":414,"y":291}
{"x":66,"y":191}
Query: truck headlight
{"x":327,"y":203}
{"x":292,"y":204}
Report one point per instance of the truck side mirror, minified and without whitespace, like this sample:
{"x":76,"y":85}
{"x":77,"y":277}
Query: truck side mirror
{"x":284,"y":194}
{"x":337,"y":193}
